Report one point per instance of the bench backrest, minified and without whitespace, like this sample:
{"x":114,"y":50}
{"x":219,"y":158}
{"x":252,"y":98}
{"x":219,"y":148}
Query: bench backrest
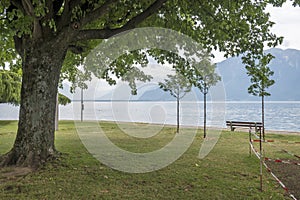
{"x":245,"y":124}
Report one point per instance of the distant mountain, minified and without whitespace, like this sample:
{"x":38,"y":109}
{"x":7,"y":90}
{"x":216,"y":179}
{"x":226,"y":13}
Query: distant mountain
{"x":158,"y":94}
{"x":286,"y":67}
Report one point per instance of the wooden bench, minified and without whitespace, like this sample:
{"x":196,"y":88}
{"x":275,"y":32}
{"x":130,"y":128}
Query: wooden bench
{"x":233,"y":124}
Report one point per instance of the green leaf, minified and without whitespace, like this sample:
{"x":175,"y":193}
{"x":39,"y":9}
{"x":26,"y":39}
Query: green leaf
{"x":63,"y":100}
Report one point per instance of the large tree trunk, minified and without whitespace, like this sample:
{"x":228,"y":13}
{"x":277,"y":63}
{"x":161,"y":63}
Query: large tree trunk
{"x":56,"y":114}
{"x":34,"y":143}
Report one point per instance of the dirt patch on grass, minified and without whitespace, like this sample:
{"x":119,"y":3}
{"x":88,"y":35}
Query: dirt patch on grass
{"x":13,"y":173}
{"x":289,"y":174}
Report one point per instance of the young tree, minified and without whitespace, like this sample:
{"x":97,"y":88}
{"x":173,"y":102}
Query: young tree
{"x":204,"y":77}
{"x":260,"y":75}
{"x":43,"y":33}
{"x":82,"y":76}
{"x":177,"y":85}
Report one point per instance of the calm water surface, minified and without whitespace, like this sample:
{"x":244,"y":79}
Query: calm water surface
{"x":278,"y":115}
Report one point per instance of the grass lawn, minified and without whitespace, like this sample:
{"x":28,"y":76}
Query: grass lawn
{"x":228,"y":172}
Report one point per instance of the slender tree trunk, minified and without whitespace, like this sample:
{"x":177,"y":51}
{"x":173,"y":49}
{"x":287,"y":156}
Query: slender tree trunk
{"x":263,"y":116}
{"x":261,"y":159}
{"x":82,"y":106}
{"x":34,"y":142}
{"x":204,"y":121}
{"x":177,"y":114}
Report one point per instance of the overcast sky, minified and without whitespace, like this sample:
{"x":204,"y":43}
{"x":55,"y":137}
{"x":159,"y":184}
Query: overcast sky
{"x":287,"y":19}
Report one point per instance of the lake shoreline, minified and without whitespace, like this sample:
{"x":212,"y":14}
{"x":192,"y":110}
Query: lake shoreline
{"x":283,"y":132}
{"x":268,"y":131}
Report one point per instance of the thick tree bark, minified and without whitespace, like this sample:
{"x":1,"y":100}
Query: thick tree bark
{"x":56,"y":114}
{"x":34,"y":143}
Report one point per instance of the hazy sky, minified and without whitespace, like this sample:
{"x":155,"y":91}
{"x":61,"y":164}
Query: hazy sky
{"x":287,"y":19}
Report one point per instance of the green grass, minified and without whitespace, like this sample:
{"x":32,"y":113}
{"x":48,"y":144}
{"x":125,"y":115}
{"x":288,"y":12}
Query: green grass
{"x":8,"y":131}
{"x":228,"y":172}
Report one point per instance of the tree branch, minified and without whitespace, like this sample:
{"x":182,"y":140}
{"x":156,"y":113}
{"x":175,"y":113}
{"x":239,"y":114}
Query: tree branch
{"x":106,"y":33}
{"x":18,"y":45}
{"x":53,"y":8}
{"x":57,"y":6}
{"x":67,"y":13}
{"x":18,"y":4}
{"x":29,"y":10}
{"x":49,"y":5}
{"x":97,"y":13}
{"x":66,"y":8}
{"x":90,"y":16}
{"x":28,"y":7}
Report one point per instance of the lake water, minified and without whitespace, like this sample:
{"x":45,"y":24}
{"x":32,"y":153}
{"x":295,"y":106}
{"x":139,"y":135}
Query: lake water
{"x":278,"y":115}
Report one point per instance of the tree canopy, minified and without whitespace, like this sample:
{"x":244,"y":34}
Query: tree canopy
{"x":260,"y":75}
{"x":177,"y":85}
{"x":233,"y":27}
{"x":204,"y":75}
